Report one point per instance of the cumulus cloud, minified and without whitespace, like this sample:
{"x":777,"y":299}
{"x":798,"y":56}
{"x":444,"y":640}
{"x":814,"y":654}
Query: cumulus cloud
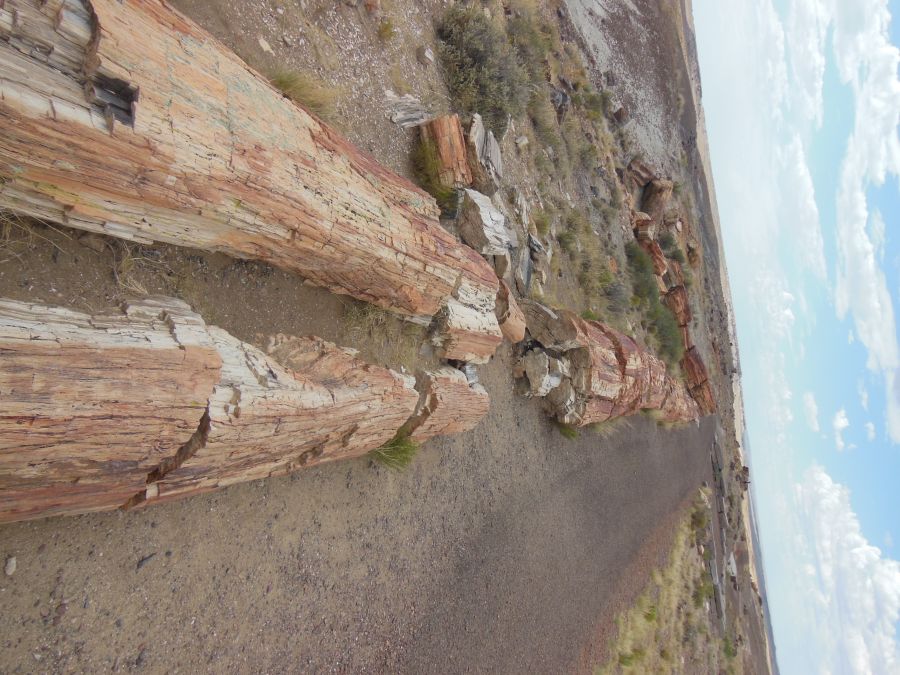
{"x":807,"y":26}
{"x":868,"y":63}
{"x":811,"y":411}
{"x":798,"y":206}
{"x":863,"y":394}
{"x":853,"y":589}
{"x":870,"y":431}
{"x":840,"y":424}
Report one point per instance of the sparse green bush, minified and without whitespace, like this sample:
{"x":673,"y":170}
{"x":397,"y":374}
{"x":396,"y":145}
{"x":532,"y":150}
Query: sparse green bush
{"x":426,"y":168}
{"x":541,"y":220}
{"x":650,"y":614}
{"x":386,"y":30}
{"x":567,"y":431}
{"x":590,"y":315}
{"x":305,"y":90}
{"x":530,"y":38}
{"x":398,"y":453}
{"x":543,"y":117}
{"x":666,"y":241}
{"x":677,"y":255}
{"x":482,"y":73}
{"x":663,"y":323}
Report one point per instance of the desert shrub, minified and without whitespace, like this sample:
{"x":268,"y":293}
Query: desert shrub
{"x":666,"y":241}
{"x":567,"y":431}
{"x":386,"y":30}
{"x":567,"y":239}
{"x":530,"y":37}
{"x":426,"y":168}
{"x":481,"y":70}
{"x":640,"y":265}
{"x":543,"y":116}
{"x":590,"y":315}
{"x":398,"y":453}
{"x":703,"y":590}
{"x":662,"y":322}
{"x":616,"y":297}
{"x":541,"y":220}
{"x":677,"y":255}
{"x":307,"y":91}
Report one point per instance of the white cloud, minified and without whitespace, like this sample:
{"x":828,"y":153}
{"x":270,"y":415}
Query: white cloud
{"x":870,"y":431}
{"x":853,"y":591}
{"x":798,"y":206}
{"x":807,"y":25}
{"x":811,"y":411}
{"x":868,"y":62}
{"x":863,"y":394}
{"x":850,"y":338}
{"x":840,"y":424}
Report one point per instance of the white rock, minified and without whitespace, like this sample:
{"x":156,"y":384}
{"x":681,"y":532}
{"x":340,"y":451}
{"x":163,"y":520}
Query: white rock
{"x":265,"y":46}
{"x":10,"y":568}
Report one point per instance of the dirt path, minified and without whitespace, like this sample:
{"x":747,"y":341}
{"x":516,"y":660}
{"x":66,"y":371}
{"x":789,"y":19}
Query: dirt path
{"x":498,"y":549}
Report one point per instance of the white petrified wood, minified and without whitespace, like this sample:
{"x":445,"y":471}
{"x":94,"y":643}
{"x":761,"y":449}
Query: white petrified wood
{"x":125,"y":118}
{"x":482,"y":226}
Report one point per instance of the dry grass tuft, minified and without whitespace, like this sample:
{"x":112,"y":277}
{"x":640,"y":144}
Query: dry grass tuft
{"x":307,"y":92}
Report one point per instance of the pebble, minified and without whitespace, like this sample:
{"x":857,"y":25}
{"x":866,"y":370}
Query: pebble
{"x":265,"y":46}
{"x":11,"y":565}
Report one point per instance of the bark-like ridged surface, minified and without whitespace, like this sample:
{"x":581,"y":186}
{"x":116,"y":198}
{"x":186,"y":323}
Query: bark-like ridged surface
{"x":446,"y":134}
{"x":150,"y":404}
{"x":449,"y":404}
{"x":126,"y":118}
{"x":602,"y":373}
{"x":92,"y":404}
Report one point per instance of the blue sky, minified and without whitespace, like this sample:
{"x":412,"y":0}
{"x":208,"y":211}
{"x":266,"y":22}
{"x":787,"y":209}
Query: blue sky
{"x":802,"y":102}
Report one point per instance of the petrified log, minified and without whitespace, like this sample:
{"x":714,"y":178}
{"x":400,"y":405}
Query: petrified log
{"x":462,"y":333}
{"x":125,"y":118}
{"x":509,"y":315}
{"x":92,"y":405}
{"x":600,"y":373}
{"x":267,"y":419}
{"x":482,"y":226}
{"x":657,"y":195}
{"x":448,"y":404}
{"x":697,"y":379}
{"x":151,"y":404}
{"x":638,"y":174}
{"x":654,"y":250}
{"x":677,"y":302}
{"x":485,"y":159}
{"x":450,"y":144}
{"x":643,"y":226}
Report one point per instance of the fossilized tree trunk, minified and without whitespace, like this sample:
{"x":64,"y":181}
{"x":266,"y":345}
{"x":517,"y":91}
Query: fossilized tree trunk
{"x":152,"y":404}
{"x":587,"y":372}
{"x":126,"y":118}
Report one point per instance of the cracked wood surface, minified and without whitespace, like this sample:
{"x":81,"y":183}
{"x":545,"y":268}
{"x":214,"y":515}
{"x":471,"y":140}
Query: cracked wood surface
{"x":151,"y":404}
{"x":125,"y":118}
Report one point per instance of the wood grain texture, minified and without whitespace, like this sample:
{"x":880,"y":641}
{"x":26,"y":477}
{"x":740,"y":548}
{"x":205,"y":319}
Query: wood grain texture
{"x":305,"y":403}
{"x":448,"y":404}
{"x":92,"y":404}
{"x":597,"y":373}
{"x":446,"y":134}
{"x":125,"y":118}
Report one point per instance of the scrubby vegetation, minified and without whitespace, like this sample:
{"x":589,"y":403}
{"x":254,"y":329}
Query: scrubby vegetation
{"x":397,"y":454}
{"x":480,"y":67}
{"x":661,"y":321}
{"x":666,"y":630}
{"x":426,"y":167}
{"x":306,"y":91}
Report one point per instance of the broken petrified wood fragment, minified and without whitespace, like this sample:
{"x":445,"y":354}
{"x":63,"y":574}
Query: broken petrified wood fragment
{"x":151,"y":404}
{"x":446,"y":134}
{"x":183,"y":143}
{"x":657,"y":195}
{"x":482,"y":226}
{"x":697,"y":379}
{"x":601,"y":373}
{"x":448,"y":404}
{"x":463,"y":334}
{"x":509,"y":315}
{"x":485,"y":159}
{"x":677,"y":302}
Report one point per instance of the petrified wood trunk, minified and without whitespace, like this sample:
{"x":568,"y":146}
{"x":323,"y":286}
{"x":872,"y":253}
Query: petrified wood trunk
{"x":92,"y":405}
{"x":656,"y":199}
{"x":588,"y":372}
{"x":450,"y":144}
{"x":125,"y":118}
{"x":151,"y":404}
{"x":509,"y":315}
{"x":448,"y":404}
